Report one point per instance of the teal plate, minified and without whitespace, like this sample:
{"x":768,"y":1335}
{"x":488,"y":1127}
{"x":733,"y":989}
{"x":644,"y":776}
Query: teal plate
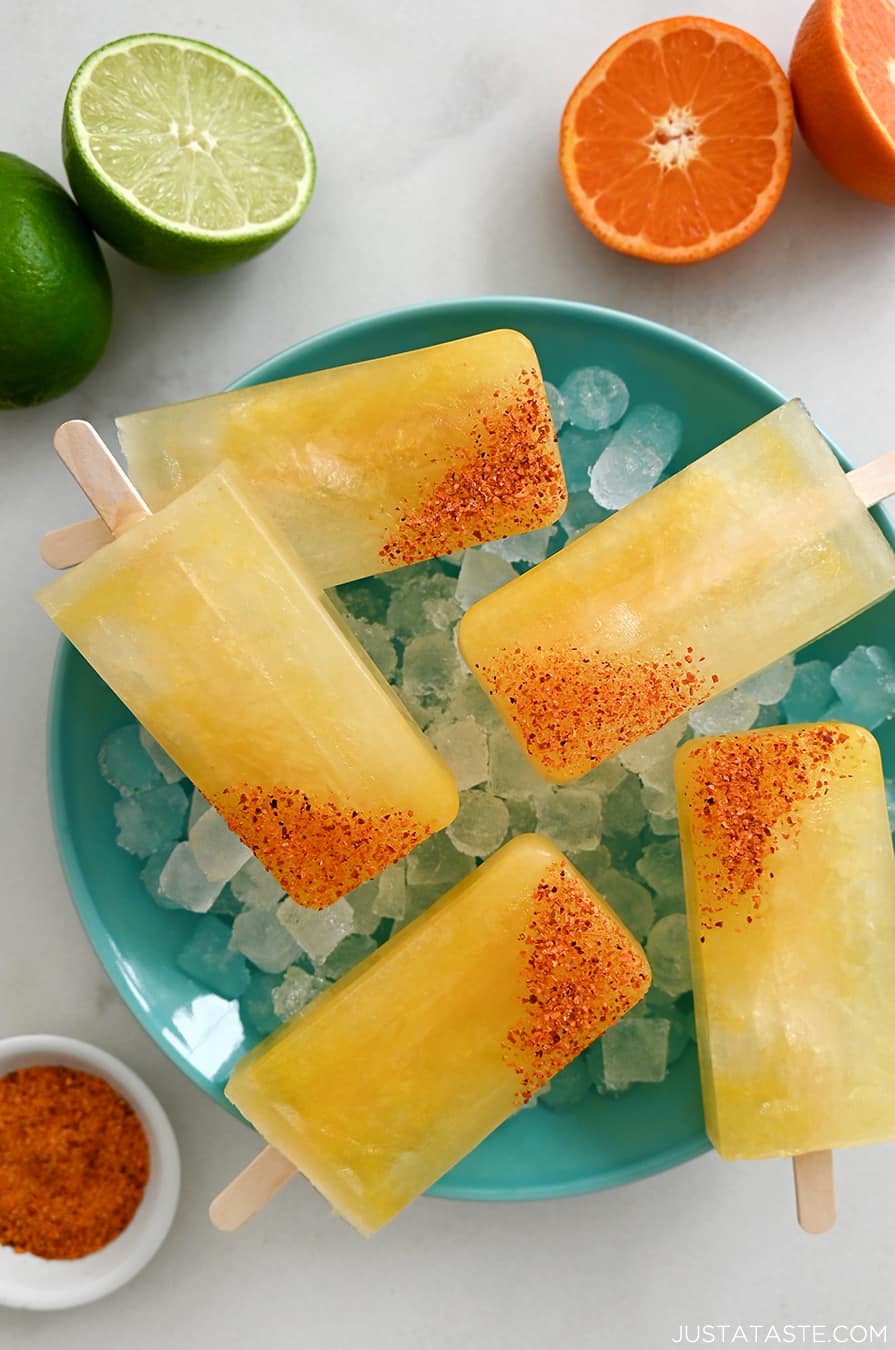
{"x":602,"y":1142}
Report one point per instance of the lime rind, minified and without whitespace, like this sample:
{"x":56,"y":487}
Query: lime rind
{"x":183,"y":156}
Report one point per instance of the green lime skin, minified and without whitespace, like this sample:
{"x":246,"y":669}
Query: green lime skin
{"x":165,"y":247}
{"x":55,"y":294}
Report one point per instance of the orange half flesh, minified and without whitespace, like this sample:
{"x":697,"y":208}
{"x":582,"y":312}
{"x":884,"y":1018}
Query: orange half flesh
{"x":675,"y":145}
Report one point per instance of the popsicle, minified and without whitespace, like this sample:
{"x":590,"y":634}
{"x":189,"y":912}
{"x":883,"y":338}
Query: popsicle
{"x":394,"y":1073}
{"x":746,"y":554}
{"x":205,"y":622}
{"x":790,"y":883}
{"x":371,"y":466}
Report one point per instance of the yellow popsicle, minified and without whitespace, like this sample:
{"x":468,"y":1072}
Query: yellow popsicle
{"x":743,"y":556}
{"x":204,"y":621}
{"x":371,"y":466}
{"x":790,"y":881}
{"x":391,"y":1076}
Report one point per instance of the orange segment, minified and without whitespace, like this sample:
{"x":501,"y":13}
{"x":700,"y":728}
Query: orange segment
{"x":843,"y":83}
{"x":675,"y":146}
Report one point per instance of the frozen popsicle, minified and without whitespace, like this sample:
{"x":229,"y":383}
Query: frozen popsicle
{"x":745,"y":555}
{"x":371,"y":466}
{"x":393,"y":1074}
{"x":790,"y":884}
{"x":204,"y":621}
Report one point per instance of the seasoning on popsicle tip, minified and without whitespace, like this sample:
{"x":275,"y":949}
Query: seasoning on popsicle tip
{"x":641,"y":618}
{"x":74,"y":1162}
{"x":208,"y":626}
{"x":789,"y":876}
{"x":375,"y":465}
{"x":483,"y":998}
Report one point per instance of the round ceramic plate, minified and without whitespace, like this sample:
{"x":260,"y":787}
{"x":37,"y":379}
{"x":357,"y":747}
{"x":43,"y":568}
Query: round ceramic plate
{"x":602,"y":1142}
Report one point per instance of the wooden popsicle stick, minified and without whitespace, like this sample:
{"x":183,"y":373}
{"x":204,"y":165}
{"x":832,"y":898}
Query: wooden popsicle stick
{"x":70,"y":545}
{"x":815,"y":1190}
{"x":251,"y":1190}
{"x":99,"y":475}
{"x":875,"y":481}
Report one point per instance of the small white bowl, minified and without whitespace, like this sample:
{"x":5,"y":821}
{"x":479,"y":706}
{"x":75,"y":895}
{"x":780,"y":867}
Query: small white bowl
{"x":28,"y":1281}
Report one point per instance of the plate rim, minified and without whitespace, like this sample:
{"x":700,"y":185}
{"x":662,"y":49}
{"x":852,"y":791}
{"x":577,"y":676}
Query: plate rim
{"x":76,"y":882}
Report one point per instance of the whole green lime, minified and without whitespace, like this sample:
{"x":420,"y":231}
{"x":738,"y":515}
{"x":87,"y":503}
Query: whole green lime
{"x":181,"y":156}
{"x":55,"y":295}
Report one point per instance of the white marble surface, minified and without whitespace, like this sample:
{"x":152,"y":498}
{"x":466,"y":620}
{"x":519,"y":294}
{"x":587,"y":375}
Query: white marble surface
{"x":435,"y":127}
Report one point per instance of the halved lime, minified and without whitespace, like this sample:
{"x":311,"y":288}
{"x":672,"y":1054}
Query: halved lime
{"x":181,"y":156}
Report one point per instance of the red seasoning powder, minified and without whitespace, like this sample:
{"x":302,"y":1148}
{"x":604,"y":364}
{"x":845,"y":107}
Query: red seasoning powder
{"x":507,"y":480}
{"x":574,"y":708}
{"x":74,"y":1162}
{"x":742,"y":793}
{"x":581,"y":971}
{"x":318,"y":851}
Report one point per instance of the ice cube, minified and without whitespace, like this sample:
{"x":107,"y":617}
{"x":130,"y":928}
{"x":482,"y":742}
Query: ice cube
{"x":390,"y":899}
{"x":481,"y":824}
{"x":160,"y":758}
{"x":295,"y":991}
{"x":431,"y":670}
{"x":367,"y":599}
{"x":810,"y":693}
{"x":557,"y":404}
{"x":579,"y":451}
{"x":442,"y":613}
{"x":523,"y":548}
{"x":349,"y":952}
{"x":865,"y":683}
{"x":636,"y":456}
{"x":632,"y":902}
{"x":151,"y":820}
{"x":635,"y":1050}
{"x":595,"y":398}
{"x":679,"y":1031}
{"x":226,"y":905}
{"x":623,"y":810}
{"x":771,"y":684}
{"x":377,"y":643}
{"x":470,"y":700}
{"x":218,"y":851}
{"x":124,"y":762}
{"x":255,"y":887}
{"x":208,"y":959}
{"x":407,"y":616}
{"x":523,"y":817}
{"x":669,"y":954}
{"x":183,"y":881}
{"x":661,"y":867}
{"x":664,"y":825}
{"x":510,"y":772}
{"x":464,"y":746}
{"x":362,"y":901}
{"x":660,"y":801}
{"x":890,"y":802}
{"x":480,"y":574}
{"x":592,"y":863}
{"x":198,"y":806}
{"x":264,"y":941}
{"x":605,"y":777}
{"x":568,"y":1087}
{"x":571,"y":817}
{"x":150,"y":877}
{"x":256,"y":1003}
{"x":317,"y":931}
{"x":733,"y":710}
{"x":580,"y":514}
{"x":652,"y":758}
{"x":436,"y":862}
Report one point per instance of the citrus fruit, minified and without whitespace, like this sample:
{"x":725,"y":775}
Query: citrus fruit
{"x":55,"y":297}
{"x":182,"y":157}
{"x":843,"y":83}
{"x":675,"y":145}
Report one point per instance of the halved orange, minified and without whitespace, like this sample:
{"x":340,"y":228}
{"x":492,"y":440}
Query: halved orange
{"x":843,"y":83}
{"x":676,"y":144}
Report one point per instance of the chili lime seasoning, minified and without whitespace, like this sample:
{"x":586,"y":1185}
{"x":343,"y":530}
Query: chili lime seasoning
{"x":74,"y":1162}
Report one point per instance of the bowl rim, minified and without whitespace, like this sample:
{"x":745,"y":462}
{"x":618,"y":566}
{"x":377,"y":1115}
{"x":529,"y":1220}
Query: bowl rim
{"x":138,"y":1242}
{"x":265,"y":370}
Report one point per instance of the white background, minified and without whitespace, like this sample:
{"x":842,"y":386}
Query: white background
{"x":435,"y":127}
